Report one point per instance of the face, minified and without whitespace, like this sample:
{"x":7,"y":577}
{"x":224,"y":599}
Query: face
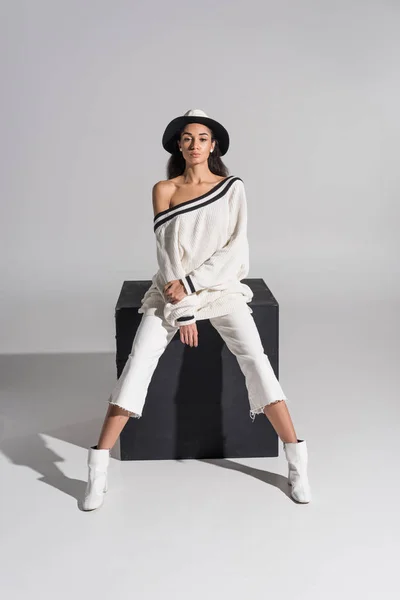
{"x":196,"y":143}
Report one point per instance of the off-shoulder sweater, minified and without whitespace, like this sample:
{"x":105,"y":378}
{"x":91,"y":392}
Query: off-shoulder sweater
{"x":203,"y":242}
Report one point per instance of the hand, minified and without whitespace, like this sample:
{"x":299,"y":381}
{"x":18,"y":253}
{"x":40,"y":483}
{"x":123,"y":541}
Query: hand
{"x":189,"y":334}
{"x":174,"y":291}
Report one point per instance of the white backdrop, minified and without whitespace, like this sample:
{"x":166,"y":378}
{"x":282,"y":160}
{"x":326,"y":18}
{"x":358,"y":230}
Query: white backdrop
{"x":309,"y":92}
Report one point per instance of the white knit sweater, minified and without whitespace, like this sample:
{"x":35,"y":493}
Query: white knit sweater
{"x":204,"y":243}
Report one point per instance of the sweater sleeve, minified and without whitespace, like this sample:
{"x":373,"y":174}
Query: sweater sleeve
{"x":170,"y":268}
{"x":231,"y":262}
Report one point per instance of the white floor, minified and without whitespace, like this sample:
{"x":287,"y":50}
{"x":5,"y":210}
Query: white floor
{"x":216,"y":528}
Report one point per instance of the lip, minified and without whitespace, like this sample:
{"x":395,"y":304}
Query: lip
{"x":195,"y":155}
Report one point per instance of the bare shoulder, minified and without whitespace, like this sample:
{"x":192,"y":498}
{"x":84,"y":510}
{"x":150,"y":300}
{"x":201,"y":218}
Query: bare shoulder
{"x":161,"y":194}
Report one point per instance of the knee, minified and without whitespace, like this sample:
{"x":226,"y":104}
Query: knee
{"x":252,"y":357}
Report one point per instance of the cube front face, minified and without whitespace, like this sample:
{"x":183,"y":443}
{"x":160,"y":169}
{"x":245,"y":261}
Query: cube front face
{"x":197,"y":403}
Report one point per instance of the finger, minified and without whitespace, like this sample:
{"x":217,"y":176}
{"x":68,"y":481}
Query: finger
{"x":196,"y":338}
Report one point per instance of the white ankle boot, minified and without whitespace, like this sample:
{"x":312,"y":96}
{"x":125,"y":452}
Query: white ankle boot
{"x":296,"y":455}
{"x":97,"y":485}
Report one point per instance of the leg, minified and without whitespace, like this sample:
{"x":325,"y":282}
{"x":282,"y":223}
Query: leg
{"x":280,"y":419}
{"x":241,"y":336}
{"x":127,"y":399}
{"x":114,"y":422}
{"x":129,"y":394}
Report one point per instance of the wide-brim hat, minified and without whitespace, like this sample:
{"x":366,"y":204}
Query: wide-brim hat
{"x":194,"y":115}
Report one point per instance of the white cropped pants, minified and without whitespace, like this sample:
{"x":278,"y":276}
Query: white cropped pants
{"x":240,"y":333}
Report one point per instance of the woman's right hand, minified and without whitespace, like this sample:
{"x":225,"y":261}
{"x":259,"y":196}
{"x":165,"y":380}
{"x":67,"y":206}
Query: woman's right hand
{"x":174,"y":291}
{"x":188,"y":334}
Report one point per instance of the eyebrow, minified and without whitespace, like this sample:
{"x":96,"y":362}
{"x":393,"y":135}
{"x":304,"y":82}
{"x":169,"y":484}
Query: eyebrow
{"x":187,"y":133}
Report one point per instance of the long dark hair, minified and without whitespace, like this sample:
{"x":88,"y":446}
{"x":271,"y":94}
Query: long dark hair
{"x":176,"y":163}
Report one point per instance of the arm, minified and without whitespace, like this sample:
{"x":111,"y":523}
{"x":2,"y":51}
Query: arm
{"x":170,"y":267}
{"x":232,"y":260}
{"x":184,"y":311}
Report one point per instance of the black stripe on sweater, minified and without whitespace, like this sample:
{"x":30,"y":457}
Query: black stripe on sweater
{"x":182,"y":210}
{"x":190,"y":282}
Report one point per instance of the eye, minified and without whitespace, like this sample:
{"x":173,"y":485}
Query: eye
{"x":186,"y":139}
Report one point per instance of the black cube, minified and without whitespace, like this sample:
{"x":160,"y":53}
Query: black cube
{"x":197,"y":404}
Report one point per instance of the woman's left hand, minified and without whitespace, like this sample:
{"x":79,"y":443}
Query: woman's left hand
{"x":174,"y":291}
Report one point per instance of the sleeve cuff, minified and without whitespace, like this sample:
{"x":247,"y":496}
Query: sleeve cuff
{"x":188,"y":284}
{"x":186,"y":320}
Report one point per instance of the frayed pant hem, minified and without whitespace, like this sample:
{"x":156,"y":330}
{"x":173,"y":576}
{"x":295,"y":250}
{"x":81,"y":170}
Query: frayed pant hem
{"x":131,"y":413}
{"x":260,"y":410}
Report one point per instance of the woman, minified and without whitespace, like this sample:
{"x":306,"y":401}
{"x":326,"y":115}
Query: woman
{"x":200,"y":225}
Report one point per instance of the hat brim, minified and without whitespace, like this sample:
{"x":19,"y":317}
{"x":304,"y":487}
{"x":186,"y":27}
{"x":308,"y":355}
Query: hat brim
{"x":169,"y":137}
